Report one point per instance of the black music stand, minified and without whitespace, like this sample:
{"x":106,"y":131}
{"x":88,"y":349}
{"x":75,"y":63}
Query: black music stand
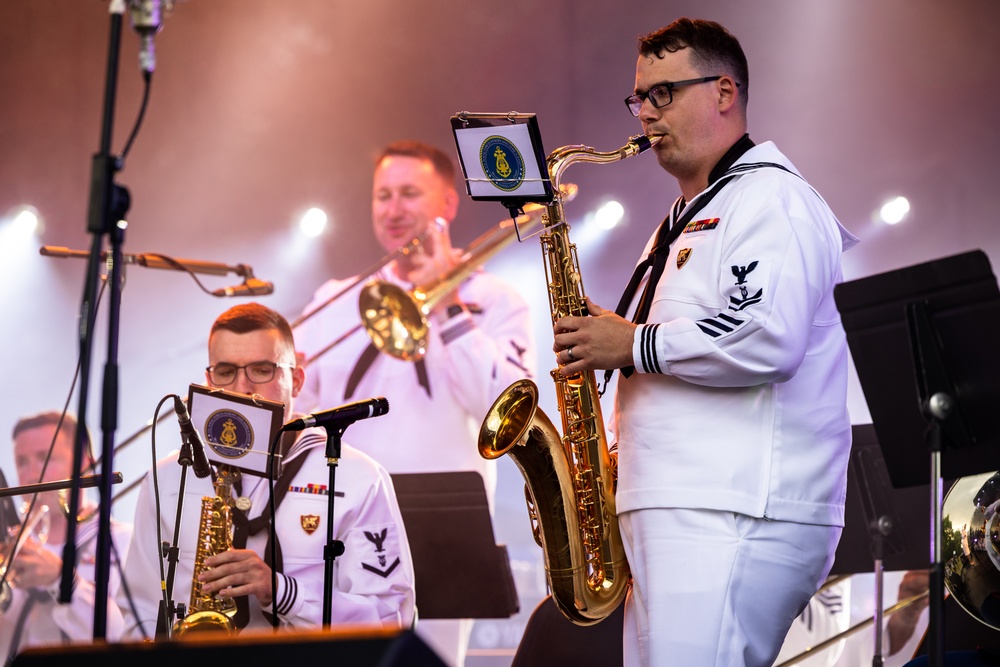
{"x":884,"y":528}
{"x":459,"y":569}
{"x":919,"y":339}
{"x":880,"y":519}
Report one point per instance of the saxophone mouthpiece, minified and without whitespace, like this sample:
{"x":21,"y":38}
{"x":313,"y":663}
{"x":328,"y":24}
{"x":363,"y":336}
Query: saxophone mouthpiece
{"x":645,"y":142}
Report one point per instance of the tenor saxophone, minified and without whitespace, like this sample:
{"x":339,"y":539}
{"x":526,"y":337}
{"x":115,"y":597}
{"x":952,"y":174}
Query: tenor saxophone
{"x":208,"y":612}
{"x":569,"y":480}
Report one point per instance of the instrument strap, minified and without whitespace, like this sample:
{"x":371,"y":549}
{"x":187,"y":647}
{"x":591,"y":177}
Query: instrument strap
{"x":668,"y":233}
{"x":365,"y":361}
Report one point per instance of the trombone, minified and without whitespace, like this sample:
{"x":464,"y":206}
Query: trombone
{"x":413,"y":245}
{"x":854,"y":629}
{"x":396,"y":320}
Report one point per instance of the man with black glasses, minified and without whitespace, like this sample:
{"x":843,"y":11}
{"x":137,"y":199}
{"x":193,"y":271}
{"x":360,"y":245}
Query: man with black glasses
{"x":251,"y":351}
{"x":730,"y":412}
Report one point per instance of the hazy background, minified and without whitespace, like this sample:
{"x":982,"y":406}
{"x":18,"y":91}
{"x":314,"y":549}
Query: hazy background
{"x":261,"y":109}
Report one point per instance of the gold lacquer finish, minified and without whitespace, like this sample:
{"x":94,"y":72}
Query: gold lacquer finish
{"x":569,"y":480}
{"x":208,"y":612}
{"x":970,"y":545}
{"x":396,"y":320}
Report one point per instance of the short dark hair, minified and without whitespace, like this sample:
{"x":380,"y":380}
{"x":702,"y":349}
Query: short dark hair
{"x":51,"y":418}
{"x":248,"y":317}
{"x":712,"y":47}
{"x":441,"y":161}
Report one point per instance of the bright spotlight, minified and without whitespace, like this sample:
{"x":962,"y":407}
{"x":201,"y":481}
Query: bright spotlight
{"x":894,"y":211}
{"x":609,"y":215}
{"x":313,"y":222}
{"x":26,"y":221}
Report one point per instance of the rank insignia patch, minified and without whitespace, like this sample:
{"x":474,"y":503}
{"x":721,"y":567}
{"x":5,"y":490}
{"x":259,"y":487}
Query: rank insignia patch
{"x":701,"y":225}
{"x":309,"y":523}
{"x":683,"y":255}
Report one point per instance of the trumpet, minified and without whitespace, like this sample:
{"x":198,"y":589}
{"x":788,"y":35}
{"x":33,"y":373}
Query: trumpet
{"x":36,"y":523}
{"x":396,"y":320}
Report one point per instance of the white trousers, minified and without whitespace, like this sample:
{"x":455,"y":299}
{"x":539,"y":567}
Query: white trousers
{"x":717,"y":589}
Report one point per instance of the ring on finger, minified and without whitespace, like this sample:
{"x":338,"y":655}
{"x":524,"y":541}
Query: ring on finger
{"x":569,"y":353}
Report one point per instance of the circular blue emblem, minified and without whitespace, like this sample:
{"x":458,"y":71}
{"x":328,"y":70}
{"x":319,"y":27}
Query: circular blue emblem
{"x":502,"y":163}
{"x":229,"y":434}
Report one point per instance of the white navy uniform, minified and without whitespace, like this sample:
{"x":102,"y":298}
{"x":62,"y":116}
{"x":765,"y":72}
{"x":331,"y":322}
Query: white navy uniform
{"x":736,"y":421}
{"x":436,"y":406}
{"x":373,"y":579}
{"x":42,"y":621}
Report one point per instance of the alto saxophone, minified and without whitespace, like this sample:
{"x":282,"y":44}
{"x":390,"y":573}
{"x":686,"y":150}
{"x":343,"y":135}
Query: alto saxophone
{"x":208,"y":612}
{"x":569,"y":480}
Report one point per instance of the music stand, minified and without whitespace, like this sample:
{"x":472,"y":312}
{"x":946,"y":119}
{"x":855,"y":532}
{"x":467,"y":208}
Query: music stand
{"x":884,"y":528}
{"x":459,"y":569}
{"x":502,"y":158}
{"x":878,"y":517}
{"x":914,"y":334}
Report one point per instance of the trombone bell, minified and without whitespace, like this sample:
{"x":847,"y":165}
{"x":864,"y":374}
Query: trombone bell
{"x":395,"y":320}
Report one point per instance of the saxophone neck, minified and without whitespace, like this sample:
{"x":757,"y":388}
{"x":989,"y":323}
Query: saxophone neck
{"x":561,"y":158}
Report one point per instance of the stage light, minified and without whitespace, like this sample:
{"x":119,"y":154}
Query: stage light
{"x":26,"y":221}
{"x":609,"y":215}
{"x":313,"y":222}
{"x":894,"y":210}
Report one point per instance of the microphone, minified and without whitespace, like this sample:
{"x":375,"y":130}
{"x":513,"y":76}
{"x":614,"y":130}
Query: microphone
{"x":345,"y":415}
{"x":190,"y":438}
{"x":147,"y":20}
{"x":250,"y":287}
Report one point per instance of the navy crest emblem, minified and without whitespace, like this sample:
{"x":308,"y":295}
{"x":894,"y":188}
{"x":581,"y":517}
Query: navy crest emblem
{"x":502,"y":163}
{"x":309,"y":523}
{"x":229,"y":434}
{"x":683,"y":255}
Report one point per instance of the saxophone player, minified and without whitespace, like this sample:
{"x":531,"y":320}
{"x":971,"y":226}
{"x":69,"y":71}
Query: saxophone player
{"x":251,"y":351}
{"x":730,"y":410}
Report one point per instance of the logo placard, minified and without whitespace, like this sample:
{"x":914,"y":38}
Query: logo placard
{"x":502,"y":163}
{"x":229,"y":434}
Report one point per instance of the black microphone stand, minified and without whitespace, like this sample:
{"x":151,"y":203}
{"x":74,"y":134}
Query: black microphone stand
{"x":333,"y":548}
{"x":109,"y":203}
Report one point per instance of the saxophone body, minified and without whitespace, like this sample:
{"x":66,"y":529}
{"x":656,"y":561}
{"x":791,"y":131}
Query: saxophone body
{"x":569,"y":479}
{"x":207,"y":612}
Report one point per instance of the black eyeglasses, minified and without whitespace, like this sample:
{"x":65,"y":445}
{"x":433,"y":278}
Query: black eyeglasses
{"x":257,"y":372}
{"x":662,"y":94}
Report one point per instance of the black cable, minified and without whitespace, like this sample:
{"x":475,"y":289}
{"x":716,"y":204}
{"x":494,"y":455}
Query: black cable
{"x":180,"y":267}
{"x":146,"y":79}
{"x":156,"y":501}
{"x":48,"y":456}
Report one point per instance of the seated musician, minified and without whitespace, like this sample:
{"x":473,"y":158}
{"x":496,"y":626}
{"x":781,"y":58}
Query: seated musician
{"x":251,"y":351}
{"x":30,"y":614}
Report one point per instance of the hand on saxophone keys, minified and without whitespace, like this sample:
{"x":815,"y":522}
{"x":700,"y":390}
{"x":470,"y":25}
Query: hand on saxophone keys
{"x":237,"y":572}
{"x":599,"y":341}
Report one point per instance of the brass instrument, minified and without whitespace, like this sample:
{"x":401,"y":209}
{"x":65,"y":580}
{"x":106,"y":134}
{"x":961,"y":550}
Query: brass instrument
{"x":970,"y":545}
{"x":569,"y":481}
{"x":207,"y":612}
{"x":854,"y":629}
{"x":413,"y":245}
{"x":37,"y":524}
{"x":396,"y":320}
